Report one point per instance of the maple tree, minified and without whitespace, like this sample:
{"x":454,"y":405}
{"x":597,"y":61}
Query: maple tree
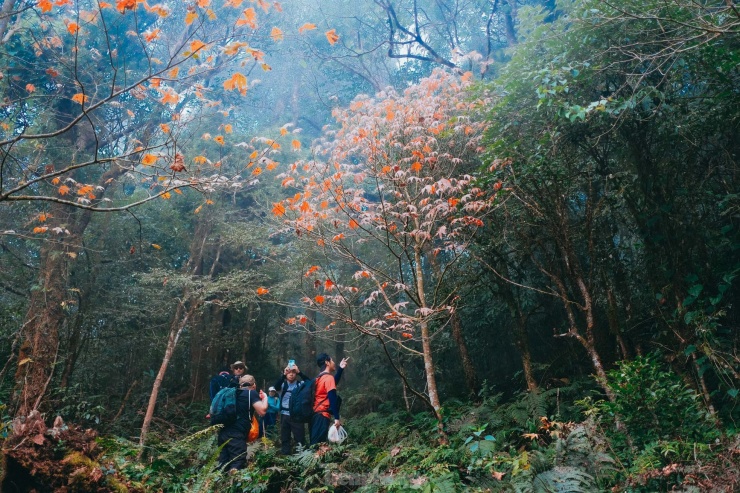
{"x":108,"y":95}
{"x":390,"y":193}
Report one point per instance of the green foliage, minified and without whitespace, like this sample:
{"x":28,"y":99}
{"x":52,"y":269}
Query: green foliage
{"x":654,"y":404}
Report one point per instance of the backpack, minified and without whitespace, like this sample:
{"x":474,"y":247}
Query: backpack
{"x":223,"y":407}
{"x":302,"y":400}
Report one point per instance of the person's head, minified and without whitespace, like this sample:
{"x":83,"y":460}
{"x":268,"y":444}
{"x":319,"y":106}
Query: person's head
{"x":325,"y":362}
{"x":247,"y":382}
{"x":223,"y":370}
{"x":291,"y":374}
{"x":238,"y":368}
{"x":272,"y":391}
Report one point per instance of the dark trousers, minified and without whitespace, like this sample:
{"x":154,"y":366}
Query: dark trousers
{"x":319,"y":428}
{"x":286,"y":428}
{"x":234,"y":454}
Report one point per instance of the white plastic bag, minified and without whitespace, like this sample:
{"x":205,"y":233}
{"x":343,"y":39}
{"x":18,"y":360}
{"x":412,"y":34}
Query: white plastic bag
{"x":337,"y":435}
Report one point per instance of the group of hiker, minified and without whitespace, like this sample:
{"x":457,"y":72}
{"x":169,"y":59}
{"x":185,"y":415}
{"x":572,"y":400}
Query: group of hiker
{"x":316,"y":403}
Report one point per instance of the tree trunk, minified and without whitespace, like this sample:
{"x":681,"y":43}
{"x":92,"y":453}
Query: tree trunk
{"x":426,"y":344}
{"x":175,"y":331}
{"x":193,"y":267}
{"x":37,"y":354}
{"x":471,"y":377}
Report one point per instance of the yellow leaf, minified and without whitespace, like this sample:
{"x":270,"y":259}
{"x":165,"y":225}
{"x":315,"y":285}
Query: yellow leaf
{"x":173,"y":73}
{"x":154,"y":245}
{"x":253,"y":155}
{"x":266,"y":67}
{"x":219,"y":139}
{"x":196,"y":45}
{"x":166,"y":195}
{"x":200,"y":159}
{"x":190,"y":17}
{"x":228,"y":128}
{"x":276,"y":34}
{"x":165,"y":128}
{"x":198,"y":209}
{"x":296,"y":145}
{"x":332,"y":36}
{"x":148,"y":159}
{"x":25,"y":360}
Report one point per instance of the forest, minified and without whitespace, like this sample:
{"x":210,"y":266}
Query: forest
{"x":518,"y":219}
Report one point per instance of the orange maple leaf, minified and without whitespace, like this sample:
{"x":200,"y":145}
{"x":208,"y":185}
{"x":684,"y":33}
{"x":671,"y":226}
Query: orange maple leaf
{"x":276,"y":34}
{"x":152,"y":35}
{"x":85,"y":190}
{"x":254,"y":155}
{"x":219,"y":139}
{"x":328,"y":285}
{"x":55,"y":180}
{"x":353,"y":224}
{"x":148,"y":159}
{"x":170,"y":97}
{"x":332,"y":36}
{"x":45,"y":6}
{"x":30,"y":88}
{"x":319,"y":299}
{"x":306,"y":27}
{"x":237,"y":81}
{"x":40,"y":229}
{"x":204,"y":3}
{"x":416,"y":166}
{"x":262,"y":291}
{"x":305,"y":206}
{"x":173,"y":73}
{"x":190,"y":17}
{"x":278,"y":209}
{"x":63,"y":190}
{"x":73,"y":27}
{"x":80,"y":98}
{"x":233,"y":48}
{"x":338,"y":237}
{"x":124,"y":5}
{"x":257,"y":171}
{"x":296,"y":144}
{"x":165,"y":128}
{"x":197,"y":45}
{"x":233,"y":3}
{"x":249,"y":18}
{"x":166,"y":195}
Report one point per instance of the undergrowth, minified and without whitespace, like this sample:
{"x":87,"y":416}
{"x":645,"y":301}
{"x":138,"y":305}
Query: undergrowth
{"x":655,"y":436}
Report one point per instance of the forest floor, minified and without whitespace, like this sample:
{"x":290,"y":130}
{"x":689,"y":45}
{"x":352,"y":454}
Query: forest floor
{"x":535,"y":443}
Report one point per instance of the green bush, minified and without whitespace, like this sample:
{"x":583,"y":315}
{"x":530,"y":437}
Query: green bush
{"x":654,"y":404}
